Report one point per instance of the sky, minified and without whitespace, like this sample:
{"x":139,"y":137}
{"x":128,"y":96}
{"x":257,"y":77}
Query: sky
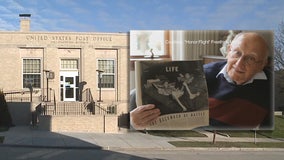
{"x":126,"y":15}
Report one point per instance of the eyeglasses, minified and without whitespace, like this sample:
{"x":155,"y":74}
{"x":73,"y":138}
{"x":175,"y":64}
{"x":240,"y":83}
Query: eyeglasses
{"x":248,"y":59}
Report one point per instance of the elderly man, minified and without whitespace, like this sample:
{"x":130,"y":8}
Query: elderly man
{"x":239,"y":89}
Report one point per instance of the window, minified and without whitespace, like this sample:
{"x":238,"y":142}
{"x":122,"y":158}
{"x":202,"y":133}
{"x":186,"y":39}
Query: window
{"x":107,"y":75}
{"x":31,"y":73}
{"x":69,"y":64}
{"x":147,"y":42}
{"x":112,"y":109}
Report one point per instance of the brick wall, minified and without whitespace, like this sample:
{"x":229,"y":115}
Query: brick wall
{"x":86,"y":123}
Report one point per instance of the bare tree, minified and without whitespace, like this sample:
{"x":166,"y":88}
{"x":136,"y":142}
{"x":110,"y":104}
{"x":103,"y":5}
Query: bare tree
{"x":279,"y":67}
{"x":279,"y":47}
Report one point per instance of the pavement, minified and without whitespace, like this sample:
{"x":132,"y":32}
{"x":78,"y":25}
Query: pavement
{"x":26,"y":136}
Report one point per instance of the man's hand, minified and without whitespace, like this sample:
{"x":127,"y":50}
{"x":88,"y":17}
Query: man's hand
{"x":142,"y":116}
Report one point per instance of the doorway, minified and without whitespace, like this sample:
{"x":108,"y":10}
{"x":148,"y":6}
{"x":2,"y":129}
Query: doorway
{"x":69,"y":86}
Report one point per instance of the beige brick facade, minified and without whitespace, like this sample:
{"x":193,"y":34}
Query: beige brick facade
{"x":51,"y":48}
{"x":90,"y":123}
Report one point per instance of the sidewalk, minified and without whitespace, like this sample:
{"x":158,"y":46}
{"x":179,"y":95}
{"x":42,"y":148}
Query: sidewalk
{"x":25,"y":136}
{"x":32,"y":137}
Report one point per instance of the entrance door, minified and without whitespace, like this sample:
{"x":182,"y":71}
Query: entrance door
{"x":69,"y":82}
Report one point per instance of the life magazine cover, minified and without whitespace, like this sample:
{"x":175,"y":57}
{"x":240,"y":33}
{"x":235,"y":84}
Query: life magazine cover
{"x":178,"y":89}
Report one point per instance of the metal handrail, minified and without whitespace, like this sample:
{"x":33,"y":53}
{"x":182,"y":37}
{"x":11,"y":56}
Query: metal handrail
{"x":20,"y":95}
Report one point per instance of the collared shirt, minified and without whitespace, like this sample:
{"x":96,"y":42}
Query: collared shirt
{"x":260,"y":75}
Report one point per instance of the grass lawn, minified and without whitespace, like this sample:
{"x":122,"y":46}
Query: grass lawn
{"x":278,"y":131}
{"x":1,"y":139}
{"x":228,"y":144}
{"x":2,"y":129}
{"x":176,"y":133}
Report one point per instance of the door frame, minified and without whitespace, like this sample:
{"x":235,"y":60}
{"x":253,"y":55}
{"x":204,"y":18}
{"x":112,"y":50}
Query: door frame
{"x":64,"y":85}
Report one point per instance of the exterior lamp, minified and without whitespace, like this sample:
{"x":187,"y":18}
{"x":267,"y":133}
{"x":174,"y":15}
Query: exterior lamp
{"x":100,"y":84}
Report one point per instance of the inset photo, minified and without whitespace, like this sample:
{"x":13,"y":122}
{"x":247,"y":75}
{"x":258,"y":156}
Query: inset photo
{"x":214,"y":79}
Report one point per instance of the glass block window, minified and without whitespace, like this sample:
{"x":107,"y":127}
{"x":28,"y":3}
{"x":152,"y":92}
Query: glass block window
{"x":107,"y":75}
{"x":69,"y":64}
{"x":31,"y":73}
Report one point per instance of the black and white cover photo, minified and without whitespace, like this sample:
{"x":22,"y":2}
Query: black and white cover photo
{"x":177,"y":88}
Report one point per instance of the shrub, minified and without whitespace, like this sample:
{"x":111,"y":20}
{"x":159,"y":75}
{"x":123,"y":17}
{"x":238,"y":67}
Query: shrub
{"x":5,"y":117}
